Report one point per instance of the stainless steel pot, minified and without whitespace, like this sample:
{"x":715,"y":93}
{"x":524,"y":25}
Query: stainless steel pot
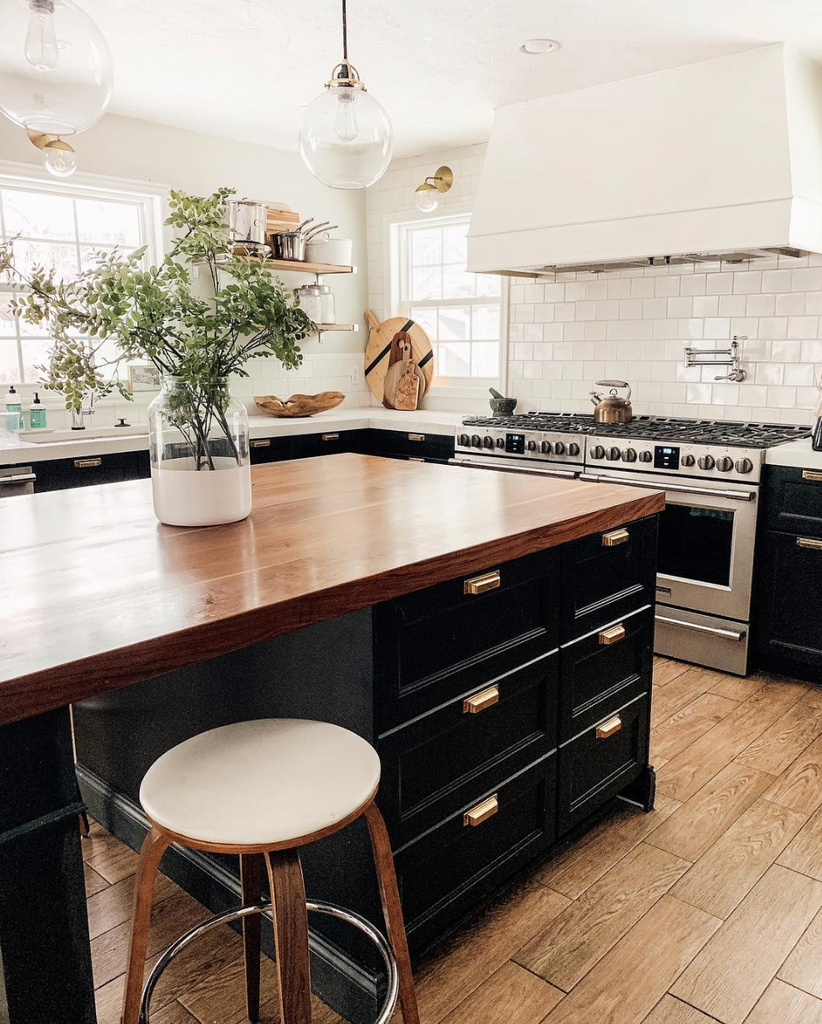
{"x":288,"y":245}
{"x":246,"y":221}
{"x":612,"y":408}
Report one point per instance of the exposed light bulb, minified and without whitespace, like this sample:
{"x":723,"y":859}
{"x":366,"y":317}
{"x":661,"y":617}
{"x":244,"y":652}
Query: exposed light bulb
{"x":426,"y":200}
{"x":346,"y":127}
{"x":60,"y":162}
{"x":41,"y":40}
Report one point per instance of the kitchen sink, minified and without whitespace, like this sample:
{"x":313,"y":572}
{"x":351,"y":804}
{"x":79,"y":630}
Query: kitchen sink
{"x":89,"y":434}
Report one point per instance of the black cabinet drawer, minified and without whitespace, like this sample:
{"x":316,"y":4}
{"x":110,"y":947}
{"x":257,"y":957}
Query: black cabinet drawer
{"x":449,"y":870}
{"x":607,"y":668}
{"x":411,"y":444}
{"x":305,"y":446}
{"x":793,"y":500}
{"x":433,"y":765}
{"x":607,"y":575}
{"x":790,"y":598}
{"x":61,"y":474}
{"x":437,"y":643}
{"x":269,"y":449}
{"x":602,"y":761}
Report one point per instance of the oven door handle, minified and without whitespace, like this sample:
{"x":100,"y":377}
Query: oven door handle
{"x":593,"y":478}
{"x":730,"y":634}
{"x":514,"y":467}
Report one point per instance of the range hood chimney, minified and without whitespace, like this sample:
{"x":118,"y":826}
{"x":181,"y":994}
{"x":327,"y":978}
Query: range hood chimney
{"x":714,"y":161}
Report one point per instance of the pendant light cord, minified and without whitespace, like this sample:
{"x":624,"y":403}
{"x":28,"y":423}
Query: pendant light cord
{"x":345,"y":30}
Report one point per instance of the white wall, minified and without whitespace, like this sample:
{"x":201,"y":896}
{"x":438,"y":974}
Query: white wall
{"x":566,"y":332}
{"x":122,"y":147}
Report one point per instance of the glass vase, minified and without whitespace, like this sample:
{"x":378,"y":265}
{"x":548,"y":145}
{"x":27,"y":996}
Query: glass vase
{"x":198,"y":443}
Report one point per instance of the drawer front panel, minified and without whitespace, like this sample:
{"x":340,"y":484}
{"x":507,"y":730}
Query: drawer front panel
{"x":269,"y":449}
{"x":794,"y":501}
{"x":435,"y":644}
{"x":399,"y":443}
{"x":602,"y":761}
{"x":605,"y":669}
{"x":86,"y":471}
{"x":607,"y":575}
{"x":451,"y":868}
{"x":434,"y":765}
{"x":304,"y":446}
{"x":790,"y":598}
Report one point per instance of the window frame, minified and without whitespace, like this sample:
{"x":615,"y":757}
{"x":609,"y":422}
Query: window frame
{"x":398,"y":287}
{"x":149,"y":198}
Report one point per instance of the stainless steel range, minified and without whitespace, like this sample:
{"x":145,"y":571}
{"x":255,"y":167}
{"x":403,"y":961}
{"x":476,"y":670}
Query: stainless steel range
{"x":710,"y":471}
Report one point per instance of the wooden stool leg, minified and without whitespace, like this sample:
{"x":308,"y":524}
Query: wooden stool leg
{"x":285,"y":875}
{"x":154,"y":846}
{"x":392,"y":910}
{"x":252,"y":875}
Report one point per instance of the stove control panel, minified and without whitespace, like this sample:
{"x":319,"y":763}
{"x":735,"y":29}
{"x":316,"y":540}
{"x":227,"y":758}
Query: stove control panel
{"x":506,"y":443}
{"x":696,"y":460}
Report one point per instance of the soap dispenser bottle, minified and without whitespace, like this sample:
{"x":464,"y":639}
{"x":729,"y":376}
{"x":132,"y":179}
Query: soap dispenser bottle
{"x":13,"y":404}
{"x":37,"y":413}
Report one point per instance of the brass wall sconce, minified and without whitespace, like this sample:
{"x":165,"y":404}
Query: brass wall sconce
{"x":427,"y":195}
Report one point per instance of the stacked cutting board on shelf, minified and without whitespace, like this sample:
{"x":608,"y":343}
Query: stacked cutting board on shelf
{"x":399,"y":362}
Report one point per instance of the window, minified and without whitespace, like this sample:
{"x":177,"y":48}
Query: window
{"x":62,"y":225}
{"x":460,"y":312}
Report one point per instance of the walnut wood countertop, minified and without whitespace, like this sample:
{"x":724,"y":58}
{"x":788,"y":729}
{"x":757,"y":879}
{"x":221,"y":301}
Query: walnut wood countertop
{"x":98,"y":595}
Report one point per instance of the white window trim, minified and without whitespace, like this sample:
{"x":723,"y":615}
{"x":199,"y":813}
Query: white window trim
{"x":152,"y":198}
{"x":453,"y":387}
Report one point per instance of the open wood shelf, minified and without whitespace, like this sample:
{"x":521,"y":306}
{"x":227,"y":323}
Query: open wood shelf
{"x":337,"y":327}
{"x":304,"y":267}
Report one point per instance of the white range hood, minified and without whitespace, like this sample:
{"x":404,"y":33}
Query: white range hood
{"x":718,"y":160}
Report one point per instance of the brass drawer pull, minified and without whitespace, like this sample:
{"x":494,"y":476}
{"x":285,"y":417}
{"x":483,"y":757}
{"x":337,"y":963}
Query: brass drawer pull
{"x":416,"y":437}
{"x":480,"y":701}
{"x":809,"y":543}
{"x":615,"y":537}
{"x":263,"y":443}
{"x":609,"y":728}
{"x":87,"y":463}
{"x":482,"y":584}
{"x":331,"y":437}
{"x":482,"y":812}
{"x":812,"y":474}
{"x":612,"y":635}
{"x":415,"y":458}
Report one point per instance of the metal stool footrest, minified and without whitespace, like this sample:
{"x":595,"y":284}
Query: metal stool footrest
{"x":389,"y":1003}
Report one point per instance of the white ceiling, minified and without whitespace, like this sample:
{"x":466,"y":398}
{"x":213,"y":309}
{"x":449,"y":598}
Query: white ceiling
{"x":244,"y":68}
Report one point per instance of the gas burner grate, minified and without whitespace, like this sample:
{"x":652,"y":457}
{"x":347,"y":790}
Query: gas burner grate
{"x":729,"y":433}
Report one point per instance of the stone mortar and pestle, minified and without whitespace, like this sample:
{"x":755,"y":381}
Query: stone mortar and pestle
{"x":500,"y":405}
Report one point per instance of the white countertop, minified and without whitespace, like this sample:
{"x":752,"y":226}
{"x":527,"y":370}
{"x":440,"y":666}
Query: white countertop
{"x":794,"y":453}
{"x":135,"y":439}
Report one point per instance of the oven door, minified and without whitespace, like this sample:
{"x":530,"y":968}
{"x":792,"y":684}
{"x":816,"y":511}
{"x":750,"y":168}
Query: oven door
{"x":515,"y":466}
{"x":706,"y":543}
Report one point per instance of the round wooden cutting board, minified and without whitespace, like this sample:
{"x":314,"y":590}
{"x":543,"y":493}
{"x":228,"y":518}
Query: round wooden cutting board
{"x":384,"y":349}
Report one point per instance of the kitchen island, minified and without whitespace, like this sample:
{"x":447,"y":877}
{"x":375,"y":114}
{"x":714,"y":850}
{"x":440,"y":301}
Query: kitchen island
{"x":490,"y":633}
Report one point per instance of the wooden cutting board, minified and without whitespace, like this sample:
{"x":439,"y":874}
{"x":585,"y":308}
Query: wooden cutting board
{"x":384,"y":348}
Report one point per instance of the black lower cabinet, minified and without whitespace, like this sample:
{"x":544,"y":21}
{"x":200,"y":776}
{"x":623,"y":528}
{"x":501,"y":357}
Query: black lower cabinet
{"x":399,"y":444}
{"x":61,"y":474}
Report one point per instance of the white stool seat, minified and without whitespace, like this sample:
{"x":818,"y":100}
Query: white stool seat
{"x":266,"y":782}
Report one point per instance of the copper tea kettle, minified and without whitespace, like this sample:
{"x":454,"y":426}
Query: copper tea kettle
{"x":612,"y":408}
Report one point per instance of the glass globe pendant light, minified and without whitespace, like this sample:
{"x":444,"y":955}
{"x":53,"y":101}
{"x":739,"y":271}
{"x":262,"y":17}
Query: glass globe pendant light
{"x":346,"y":138}
{"x":56,"y":72}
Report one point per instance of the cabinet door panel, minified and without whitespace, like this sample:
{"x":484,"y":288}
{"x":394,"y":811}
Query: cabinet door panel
{"x":790,"y":596}
{"x":793,"y":500}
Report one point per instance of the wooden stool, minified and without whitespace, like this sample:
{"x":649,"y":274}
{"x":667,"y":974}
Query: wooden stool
{"x":261,"y":790}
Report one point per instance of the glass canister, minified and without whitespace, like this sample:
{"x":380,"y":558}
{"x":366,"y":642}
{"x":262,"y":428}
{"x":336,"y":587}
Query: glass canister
{"x":318,"y":302}
{"x":198,"y":444}
{"x":327,"y":305}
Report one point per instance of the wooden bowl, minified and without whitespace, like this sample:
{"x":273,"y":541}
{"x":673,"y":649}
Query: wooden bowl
{"x":299,"y":405}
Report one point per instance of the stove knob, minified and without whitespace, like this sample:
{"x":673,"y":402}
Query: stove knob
{"x":724,"y":465}
{"x":500,"y":442}
{"x":464,"y":440}
{"x":488,"y":442}
{"x":559,"y":448}
{"x":706,"y":462}
{"x":688,"y":460}
{"x":613,"y":454}
{"x":573,"y":449}
{"x":629,"y":455}
{"x":531,"y":446}
{"x":598,"y":452}
{"x":546,"y":448}
{"x":645,"y":457}
{"x":476,"y":440}
{"x":744,"y":466}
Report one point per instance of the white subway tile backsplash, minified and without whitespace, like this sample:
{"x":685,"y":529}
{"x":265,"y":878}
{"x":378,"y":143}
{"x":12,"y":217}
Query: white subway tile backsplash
{"x":746,"y":281}
{"x":801,"y":327}
{"x":790,"y":304}
{"x":732,"y":305}
{"x":760,"y":305}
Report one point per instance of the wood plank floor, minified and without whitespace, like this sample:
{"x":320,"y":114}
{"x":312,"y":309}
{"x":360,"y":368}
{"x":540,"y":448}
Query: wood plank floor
{"x":706,"y":911}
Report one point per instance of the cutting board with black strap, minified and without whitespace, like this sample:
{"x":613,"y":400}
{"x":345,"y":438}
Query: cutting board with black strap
{"x":384,"y":348}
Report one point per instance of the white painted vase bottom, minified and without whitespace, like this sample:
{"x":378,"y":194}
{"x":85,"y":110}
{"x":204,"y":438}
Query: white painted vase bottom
{"x":187,"y":497}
